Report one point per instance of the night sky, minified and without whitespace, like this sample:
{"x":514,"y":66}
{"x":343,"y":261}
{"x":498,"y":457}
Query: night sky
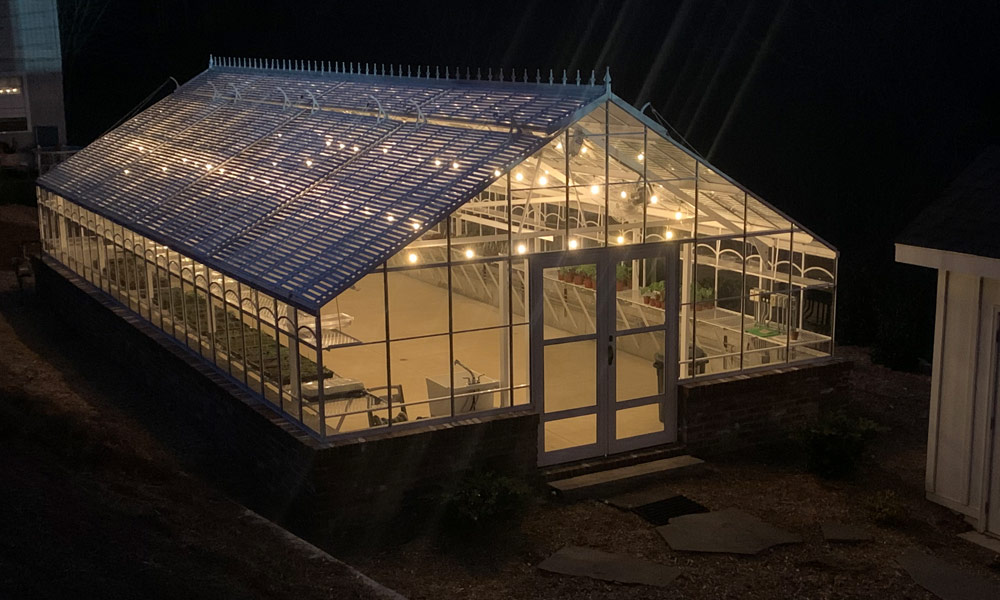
{"x":850,"y":120}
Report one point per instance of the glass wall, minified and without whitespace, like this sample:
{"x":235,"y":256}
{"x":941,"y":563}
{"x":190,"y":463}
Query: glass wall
{"x":265,"y":344}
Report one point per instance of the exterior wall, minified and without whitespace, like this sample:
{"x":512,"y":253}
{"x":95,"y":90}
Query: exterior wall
{"x":315,"y":487}
{"x":750,"y":410}
{"x":962,"y":391}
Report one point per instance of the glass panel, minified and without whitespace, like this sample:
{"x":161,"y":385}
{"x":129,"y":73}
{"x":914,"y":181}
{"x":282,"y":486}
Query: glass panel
{"x":570,"y":375}
{"x":639,"y":420}
{"x":479,"y":227}
{"x":355,"y":386}
{"x":421,"y":368}
{"x":639,"y":365}
{"x":418,"y":302}
{"x":481,"y":370}
{"x":358,"y":313}
{"x":479,"y":293}
{"x":519,"y":290}
{"x":522,"y":363}
{"x":570,"y":301}
{"x":639,"y":293}
{"x":570,"y":433}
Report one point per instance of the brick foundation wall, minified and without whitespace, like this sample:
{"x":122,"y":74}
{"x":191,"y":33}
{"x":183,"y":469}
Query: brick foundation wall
{"x":314,"y":487}
{"x":752,"y":410}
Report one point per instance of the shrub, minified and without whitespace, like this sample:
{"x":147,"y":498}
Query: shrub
{"x":835,"y":444}
{"x":485,"y":501}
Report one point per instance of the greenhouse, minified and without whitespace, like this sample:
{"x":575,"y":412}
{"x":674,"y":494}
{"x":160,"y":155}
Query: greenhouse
{"x":376,"y":247}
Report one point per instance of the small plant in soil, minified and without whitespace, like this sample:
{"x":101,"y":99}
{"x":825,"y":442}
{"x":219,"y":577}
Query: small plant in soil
{"x":484,"y":504}
{"x":887,"y":508}
{"x":834,"y":445}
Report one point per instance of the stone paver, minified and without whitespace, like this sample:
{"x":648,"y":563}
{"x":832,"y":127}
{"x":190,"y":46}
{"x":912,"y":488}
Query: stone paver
{"x":945,"y":580}
{"x":844,"y":532}
{"x":587,"y":562}
{"x":727,"y":531}
{"x":639,"y":498}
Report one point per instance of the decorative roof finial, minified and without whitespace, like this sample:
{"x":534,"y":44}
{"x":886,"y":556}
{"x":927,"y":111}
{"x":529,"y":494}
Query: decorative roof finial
{"x":607,"y":78}
{"x":593,"y":78}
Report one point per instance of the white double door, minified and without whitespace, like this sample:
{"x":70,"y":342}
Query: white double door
{"x":603,"y":359}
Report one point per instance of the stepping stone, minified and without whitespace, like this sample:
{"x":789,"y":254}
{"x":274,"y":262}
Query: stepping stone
{"x":602,"y":483}
{"x":947,"y":581}
{"x":579,"y":561}
{"x":636,"y":499}
{"x":727,"y":531}
{"x":844,"y":533}
{"x":662,"y":511}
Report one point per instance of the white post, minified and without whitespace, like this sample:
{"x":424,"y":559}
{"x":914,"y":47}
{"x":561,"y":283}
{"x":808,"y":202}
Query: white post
{"x":503,"y":308}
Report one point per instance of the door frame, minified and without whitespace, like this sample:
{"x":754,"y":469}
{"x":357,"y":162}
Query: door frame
{"x":991,"y":472}
{"x":605,"y":334}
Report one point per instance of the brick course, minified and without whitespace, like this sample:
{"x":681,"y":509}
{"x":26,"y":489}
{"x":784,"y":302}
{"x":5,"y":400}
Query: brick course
{"x":750,"y":410}
{"x":319,"y":488}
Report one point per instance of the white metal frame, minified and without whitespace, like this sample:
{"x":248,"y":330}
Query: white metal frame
{"x":606,"y":406}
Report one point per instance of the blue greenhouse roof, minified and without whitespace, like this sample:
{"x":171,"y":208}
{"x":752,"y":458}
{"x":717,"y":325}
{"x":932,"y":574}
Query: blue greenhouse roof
{"x":299,"y":181}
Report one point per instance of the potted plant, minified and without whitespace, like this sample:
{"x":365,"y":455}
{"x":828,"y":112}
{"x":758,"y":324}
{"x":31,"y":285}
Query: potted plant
{"x":657,"y":288}
{"x":578,"y":275}
{"x":704,"y":296}
{"x":623,"y":276}
{"x":589,"y":275}
{"x":647,"y":294}
{"x":565,"y":273}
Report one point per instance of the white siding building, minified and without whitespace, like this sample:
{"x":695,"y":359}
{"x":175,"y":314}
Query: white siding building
{"x":957,"y":235}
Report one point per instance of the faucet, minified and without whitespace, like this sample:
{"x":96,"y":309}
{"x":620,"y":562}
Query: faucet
{"x":472,"y":377}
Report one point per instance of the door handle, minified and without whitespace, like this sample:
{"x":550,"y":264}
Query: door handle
{"x":611,"y":354}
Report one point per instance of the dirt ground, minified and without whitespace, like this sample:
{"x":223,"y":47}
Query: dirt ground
{"x":775,"y":488}
{"x":94,"y":504}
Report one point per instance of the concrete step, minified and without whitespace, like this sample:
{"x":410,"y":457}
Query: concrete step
{"x":621,"y":479}
{"x":605,"y":463}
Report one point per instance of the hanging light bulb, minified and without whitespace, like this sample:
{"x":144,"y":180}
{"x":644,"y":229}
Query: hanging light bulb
{"x":518,"y":176}
{"x":390,"y":218}
{"x":454,"y":165}
{"x":342,"y":146}
{"x":356,"y":148}
{"x":620,"y":239}
{"x":641,"y":156}
{"x":470,"y":253}
{"x":559,"y":146}
{"x":412,"y":257}
{"x":653,"y":199}
{"x":521,"y":249}
{"x":416,"y":226}
{"x":208,"y":167}
{"x":126,"y":171}
{"x":573,"y":244}
{"x":496,"y":172}
{"x":678,"y":215}
{"x":583,"y":149}
{"x":594,"y":189}
{"x":543,"y":180}
{"x":624,"y":194}
{"x":309,"y":163}
{"x":328,"y":142}
{"x":670,"y":235}
{"x":437,"y":162}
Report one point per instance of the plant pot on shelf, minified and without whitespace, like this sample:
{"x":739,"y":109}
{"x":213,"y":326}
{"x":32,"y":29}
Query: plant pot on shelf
{"x":578,"y":279}
{"x":588,"y":283}
{"x":794,"y":334}
{"x":619,"y":285}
